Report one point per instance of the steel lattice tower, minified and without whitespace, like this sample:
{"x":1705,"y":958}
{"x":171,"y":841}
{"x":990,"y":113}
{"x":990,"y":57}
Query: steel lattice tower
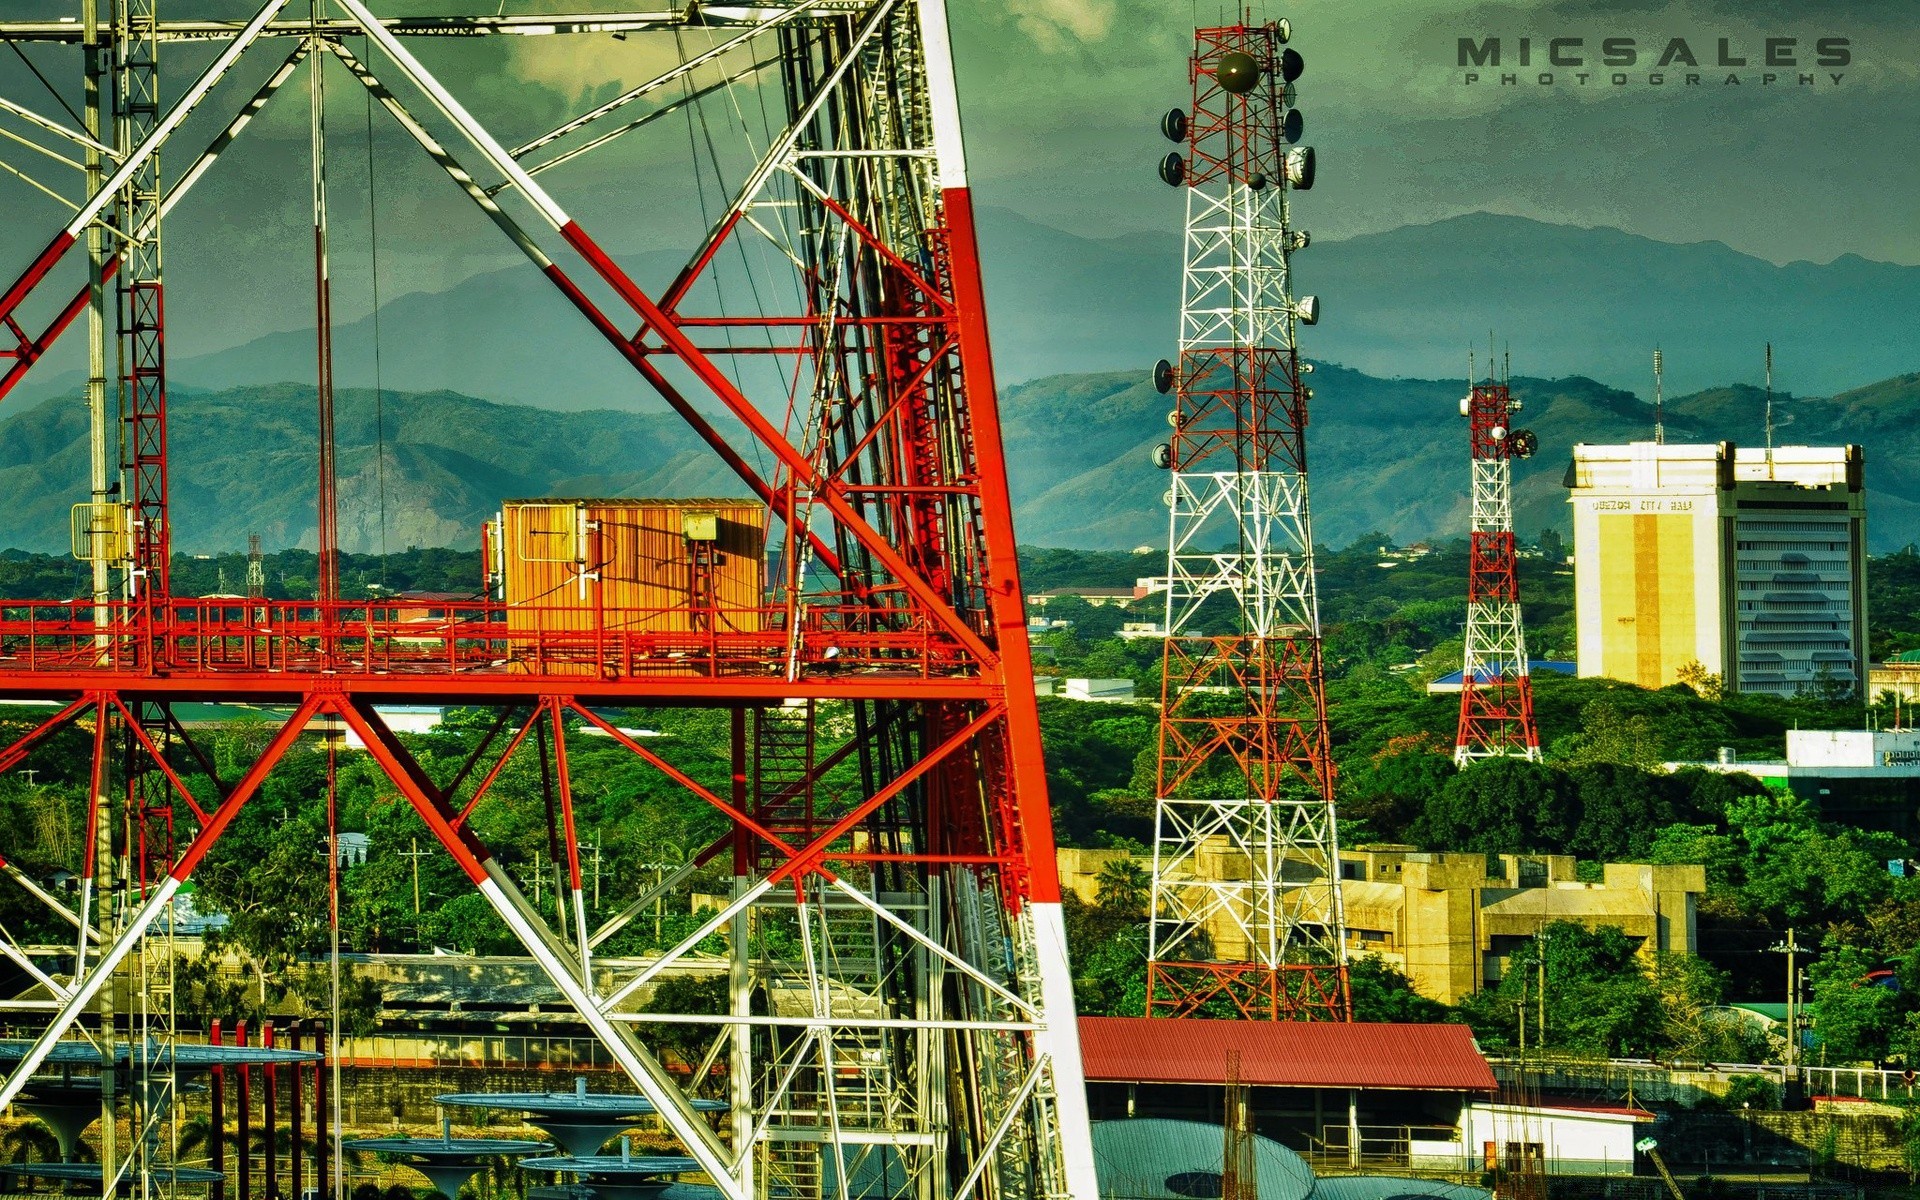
{"x":1496,"y":697}
{"x":1246,"y":910}
{"x":899,"y":1013}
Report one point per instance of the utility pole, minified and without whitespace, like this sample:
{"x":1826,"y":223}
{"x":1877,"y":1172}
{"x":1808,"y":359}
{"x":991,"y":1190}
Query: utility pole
{"x":1521,"y":1010}
{"x":1540,"y":945}
{"x":416,"y":854}
{"x":1791,"y":948}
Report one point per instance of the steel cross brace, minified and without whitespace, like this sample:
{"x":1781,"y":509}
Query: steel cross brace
{"x":30,"y":350}
{"x":89,"y":982}
{"x":674,"y":338}
{"x":504,"y":896}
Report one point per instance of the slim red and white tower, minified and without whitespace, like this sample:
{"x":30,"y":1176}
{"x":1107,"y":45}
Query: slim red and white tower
{"x":1245,"y":913}
{"x":1496,"y":698}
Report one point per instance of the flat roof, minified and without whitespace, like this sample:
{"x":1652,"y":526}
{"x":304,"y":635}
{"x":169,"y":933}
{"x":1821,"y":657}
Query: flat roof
{"x":1302,"y":1054}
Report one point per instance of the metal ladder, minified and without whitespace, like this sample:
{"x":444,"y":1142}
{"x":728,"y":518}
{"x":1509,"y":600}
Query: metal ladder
{"x":783,"y":745}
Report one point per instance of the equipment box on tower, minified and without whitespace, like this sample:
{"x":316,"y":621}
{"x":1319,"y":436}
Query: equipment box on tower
{"x":616,"y":567}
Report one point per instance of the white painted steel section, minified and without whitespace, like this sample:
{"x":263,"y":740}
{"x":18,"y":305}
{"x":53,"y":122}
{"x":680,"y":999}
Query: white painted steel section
{"x":943,"y":95}
{"x":138,"y":157}
{"x":1058,"y":1041}
{"x":454,"y":111}
{"x":87,"y":987}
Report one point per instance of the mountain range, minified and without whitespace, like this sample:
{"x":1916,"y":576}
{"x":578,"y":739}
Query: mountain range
{"x":1409,"y":303}
{"x":1388,"y":457}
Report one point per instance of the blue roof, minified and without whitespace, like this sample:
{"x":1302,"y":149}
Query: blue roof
{"x":1148,"y":1158}
{"x":1392,"y":1187}
{"x":1535,"y":666}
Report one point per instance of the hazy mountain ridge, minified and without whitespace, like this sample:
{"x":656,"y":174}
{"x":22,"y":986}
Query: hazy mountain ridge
{"x":1386,"y":455}
{"x":1405,"y":303}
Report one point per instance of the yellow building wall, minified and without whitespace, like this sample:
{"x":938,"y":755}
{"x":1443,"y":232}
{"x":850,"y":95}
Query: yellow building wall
{"x":1649,"y":622}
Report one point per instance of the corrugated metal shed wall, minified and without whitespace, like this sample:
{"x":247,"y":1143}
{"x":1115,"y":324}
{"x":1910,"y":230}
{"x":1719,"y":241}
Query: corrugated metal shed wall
{"x":644,"y":561}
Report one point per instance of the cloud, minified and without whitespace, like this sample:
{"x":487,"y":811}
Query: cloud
{"x":1064,"y":25}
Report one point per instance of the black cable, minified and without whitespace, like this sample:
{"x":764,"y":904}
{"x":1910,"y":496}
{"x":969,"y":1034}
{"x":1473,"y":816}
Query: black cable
{"x":379,"y":393}
{"x":58,"y":98}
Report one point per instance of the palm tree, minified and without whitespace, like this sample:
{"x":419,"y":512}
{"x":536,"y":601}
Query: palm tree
{"x":27,"y":1142}
{"x":1123,"y":884}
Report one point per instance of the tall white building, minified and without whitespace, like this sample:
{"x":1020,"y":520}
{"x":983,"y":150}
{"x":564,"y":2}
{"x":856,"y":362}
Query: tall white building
{"x":1750,"y":563}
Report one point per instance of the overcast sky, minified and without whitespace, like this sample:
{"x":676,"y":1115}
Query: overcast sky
{"x":1062,"y":99}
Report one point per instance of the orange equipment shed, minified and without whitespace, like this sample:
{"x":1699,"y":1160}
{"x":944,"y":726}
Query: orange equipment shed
{"x":629,"y":566}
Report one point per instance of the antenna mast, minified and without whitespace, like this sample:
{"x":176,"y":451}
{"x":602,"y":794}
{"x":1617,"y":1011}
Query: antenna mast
{"x":1496,"y":696}
{"x":1245,"y":765}
{"x":1769,"y":410}
{"x":1659,"y":426}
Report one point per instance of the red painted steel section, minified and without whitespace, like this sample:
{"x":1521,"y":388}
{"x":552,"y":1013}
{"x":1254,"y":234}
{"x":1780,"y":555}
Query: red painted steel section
{"x":35,"y":272}
{"x":1243,"y":409}
{"x":935,"y":606}
{"x":1023,"y":813}
{"x":244,"y":790}
{"x":1496,"y":711}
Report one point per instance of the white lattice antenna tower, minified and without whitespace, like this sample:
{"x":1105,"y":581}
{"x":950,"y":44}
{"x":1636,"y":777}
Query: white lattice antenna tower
{"x":1246,"y":908}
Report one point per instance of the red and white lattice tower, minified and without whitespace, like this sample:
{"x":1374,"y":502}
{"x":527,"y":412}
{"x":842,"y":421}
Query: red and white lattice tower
{"x":1246,"y":911}
{"x":1496,"y":698}
{"x":899,"y":1018}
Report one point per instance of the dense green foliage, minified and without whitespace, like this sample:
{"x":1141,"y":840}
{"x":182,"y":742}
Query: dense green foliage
{"x":1772,"y":861}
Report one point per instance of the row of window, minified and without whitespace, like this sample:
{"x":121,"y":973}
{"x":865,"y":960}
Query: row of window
{"x":1827,"y":528}
{"x":1780,"y":547}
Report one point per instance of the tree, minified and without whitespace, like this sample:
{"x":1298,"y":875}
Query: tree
{"x":1705,"y":684}
{"x":1600,"y":999}
{"x":1382,"y":992}
{"x":1108,"y":949}
{"x":704,"y":994}
{"x":1500,"y":806}
{"x":1123,"y":884}
{"x":1620,"y":809}
{"x":1395,"y":786}
{"x":1608,"y":735}
{"x":1856,"y":1018}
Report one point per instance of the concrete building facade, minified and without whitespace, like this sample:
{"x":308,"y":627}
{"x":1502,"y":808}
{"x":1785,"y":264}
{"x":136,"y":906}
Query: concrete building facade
{"x":1450,"y":921}
{"x":1749,"y":562}
{"x":1868,"y":778}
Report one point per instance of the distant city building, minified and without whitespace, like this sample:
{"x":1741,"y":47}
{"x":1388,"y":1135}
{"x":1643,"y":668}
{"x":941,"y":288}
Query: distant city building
{"x":1868,"y":778}
{"x":1899,"y":675}
{"x":1751,"y":564}
{"x":1098,"y":597}
{"x":1110,"y":691}
{"x":1451,"y":921}
{"x":352,"y":848}
{"x":1451,"y":682}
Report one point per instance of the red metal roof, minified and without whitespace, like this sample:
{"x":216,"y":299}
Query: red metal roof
{"x":1327,"y":1054}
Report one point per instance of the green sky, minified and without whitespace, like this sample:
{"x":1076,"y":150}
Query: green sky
{"x":1062,"y":97}
{"x":1061,"y":100}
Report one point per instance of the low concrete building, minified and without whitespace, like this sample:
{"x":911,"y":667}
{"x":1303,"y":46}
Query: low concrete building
{"x":1557,"y":1137}
{"x":1451,"y":921}
{"x":1343,"y":1095}
{"x":1868,"y":778}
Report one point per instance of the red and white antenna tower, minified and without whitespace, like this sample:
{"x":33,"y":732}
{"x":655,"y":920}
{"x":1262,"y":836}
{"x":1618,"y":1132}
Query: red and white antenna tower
{"x":1246,"y":912}
{"x":1496,"y":697}
{"x":899,"y":1016}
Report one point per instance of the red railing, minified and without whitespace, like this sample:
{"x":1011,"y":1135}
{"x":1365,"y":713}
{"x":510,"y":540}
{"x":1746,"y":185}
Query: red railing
{"x":221,"y":637}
